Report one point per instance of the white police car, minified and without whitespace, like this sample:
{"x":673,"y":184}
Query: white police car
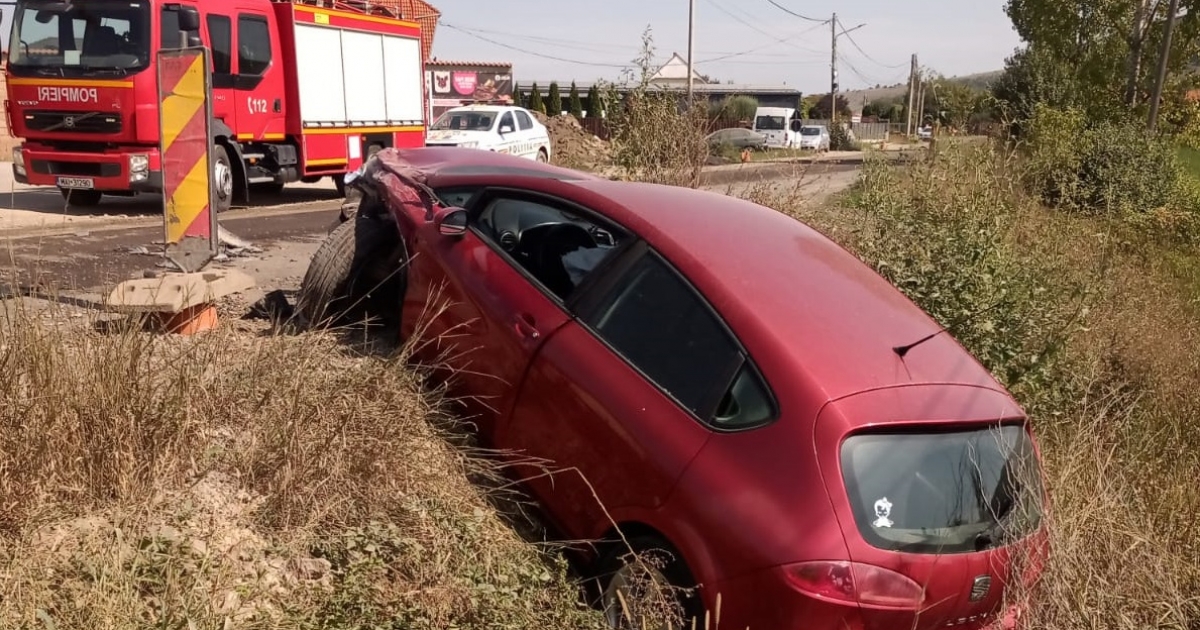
{"x":500,"y":128}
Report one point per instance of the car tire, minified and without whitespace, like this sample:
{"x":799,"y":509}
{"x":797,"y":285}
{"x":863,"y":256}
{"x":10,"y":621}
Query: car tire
{"x":359,"y":271}
{"x":82,"y":198}
{"x":625,"y":567}
{"x":542,"y":156}
{"x":222,"y":178}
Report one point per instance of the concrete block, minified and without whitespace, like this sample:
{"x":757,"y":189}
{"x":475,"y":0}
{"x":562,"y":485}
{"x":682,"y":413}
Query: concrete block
{"x":176,"y":292}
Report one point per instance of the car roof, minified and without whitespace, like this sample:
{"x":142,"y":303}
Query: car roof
{"x":796,"y":299}
{"x":482,"y":108}
{"x":803,"y":306}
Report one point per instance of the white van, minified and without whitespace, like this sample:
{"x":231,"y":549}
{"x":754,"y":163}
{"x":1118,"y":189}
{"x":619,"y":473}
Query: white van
{"x":779,"y":125}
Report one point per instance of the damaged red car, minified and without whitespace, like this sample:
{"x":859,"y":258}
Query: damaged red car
{"x":707,"y":382}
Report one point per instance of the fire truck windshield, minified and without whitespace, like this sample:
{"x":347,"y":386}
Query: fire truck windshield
{"x":57,"y":38}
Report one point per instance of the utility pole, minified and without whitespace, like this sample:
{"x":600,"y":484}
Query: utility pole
{"x":833,"y":83}
{"x":691,"y":46}
{"x":912,"y":93}
{"x":1163,"y":58}
{"x":920,"y":100}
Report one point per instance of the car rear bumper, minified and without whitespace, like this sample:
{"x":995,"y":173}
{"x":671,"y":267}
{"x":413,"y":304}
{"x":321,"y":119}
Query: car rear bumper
{"x":110,"y":170}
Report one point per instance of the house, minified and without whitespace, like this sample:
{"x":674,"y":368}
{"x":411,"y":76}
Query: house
{"x":674,"y":73}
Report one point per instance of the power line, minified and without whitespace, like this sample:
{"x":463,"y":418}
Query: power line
{"x":777,"y":39}
{"x":536,"y":54}
{"x":864,"y":53}
{"x":551,"y":41}
{"x":790,"y":12}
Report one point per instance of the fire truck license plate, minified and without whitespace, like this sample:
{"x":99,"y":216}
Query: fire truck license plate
{"x":76,"y":182}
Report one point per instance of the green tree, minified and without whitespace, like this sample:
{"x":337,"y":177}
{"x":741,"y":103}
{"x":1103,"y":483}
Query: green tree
{"x":957,"y":101}
{"x":594,"y":107}
{"x":555,"y":105}
{"x":519,"y":98}
{"x":535,"y":100}
{"x":575,"y":106}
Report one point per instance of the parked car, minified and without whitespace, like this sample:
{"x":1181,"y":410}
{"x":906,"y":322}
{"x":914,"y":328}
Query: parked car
{"x":737,"y":138}
{"x":711,"y":382}
{"x":815,"y":137}
{"x":499,"y":128}
{"x":925,"y":133}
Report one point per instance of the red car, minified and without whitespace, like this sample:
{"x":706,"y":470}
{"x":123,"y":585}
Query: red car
{"x":713,"y":383}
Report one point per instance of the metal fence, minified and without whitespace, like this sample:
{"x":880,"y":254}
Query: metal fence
{"x":870,"y":132}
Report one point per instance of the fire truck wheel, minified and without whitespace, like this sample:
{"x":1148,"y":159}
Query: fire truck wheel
{"x":82,"y":198}
{"x":222,"y":178}
{"x":359,"y":271}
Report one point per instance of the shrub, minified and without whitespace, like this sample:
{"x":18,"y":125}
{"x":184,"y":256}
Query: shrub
{"x":735,"y":108}
{"x":655,"y":137}
{"x":554,"y":106}
{"x":839,"y":139}
{"x":575,"y":106}
{"x":1101,"y":167}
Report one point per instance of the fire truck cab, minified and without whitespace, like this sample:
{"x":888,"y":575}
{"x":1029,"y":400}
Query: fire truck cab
{"x":301,"y":89}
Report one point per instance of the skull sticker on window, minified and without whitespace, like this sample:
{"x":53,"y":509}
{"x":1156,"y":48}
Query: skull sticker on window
{"x":883,"y":510}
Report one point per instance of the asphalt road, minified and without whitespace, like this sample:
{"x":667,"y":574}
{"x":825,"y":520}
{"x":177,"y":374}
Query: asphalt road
{"x":98,"y":254}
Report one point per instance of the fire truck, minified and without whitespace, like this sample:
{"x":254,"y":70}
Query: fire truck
{"x":301,"y":90}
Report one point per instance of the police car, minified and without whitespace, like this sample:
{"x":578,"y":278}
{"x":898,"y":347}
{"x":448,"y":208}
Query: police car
{"x":500,"y":128}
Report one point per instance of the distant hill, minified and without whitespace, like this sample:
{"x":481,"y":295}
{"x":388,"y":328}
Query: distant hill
{"x":979,"y":81}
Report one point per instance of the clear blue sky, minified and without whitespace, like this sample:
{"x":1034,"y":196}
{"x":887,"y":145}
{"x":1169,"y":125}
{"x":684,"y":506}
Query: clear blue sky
{"x":953,"y":37}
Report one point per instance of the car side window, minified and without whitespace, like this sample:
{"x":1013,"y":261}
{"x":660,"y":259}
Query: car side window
{"x":559,"y":248}
{"x":525,"y":121}
{"x":507,"y":121}
{"x":659,"y":324}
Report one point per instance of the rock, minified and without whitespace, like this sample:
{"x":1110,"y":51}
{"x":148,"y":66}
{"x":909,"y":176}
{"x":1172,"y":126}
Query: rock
{"x":310,"y":568}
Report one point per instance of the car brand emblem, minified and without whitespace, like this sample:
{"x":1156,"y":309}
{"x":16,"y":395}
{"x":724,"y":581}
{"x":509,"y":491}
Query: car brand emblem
{"x":69,"y":122}
{"x":980,"y":588}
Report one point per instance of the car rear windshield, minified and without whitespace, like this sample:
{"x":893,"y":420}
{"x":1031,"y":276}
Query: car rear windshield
{"x":810,"y":131}
{"x":945,"y":492}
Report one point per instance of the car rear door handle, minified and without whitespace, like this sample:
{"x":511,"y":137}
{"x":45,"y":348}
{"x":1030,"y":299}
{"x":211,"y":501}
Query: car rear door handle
{"x":527,"y":326}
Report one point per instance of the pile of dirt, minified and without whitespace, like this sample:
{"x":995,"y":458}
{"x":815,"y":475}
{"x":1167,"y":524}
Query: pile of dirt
{"x":573,"y":146}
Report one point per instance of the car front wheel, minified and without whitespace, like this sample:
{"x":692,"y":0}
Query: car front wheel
{"x":359,"y":271}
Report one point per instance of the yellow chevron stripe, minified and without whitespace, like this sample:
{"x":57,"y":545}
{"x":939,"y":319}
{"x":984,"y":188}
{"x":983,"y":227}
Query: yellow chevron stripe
{"x":189,"y":200}
{"x":186,"y":100}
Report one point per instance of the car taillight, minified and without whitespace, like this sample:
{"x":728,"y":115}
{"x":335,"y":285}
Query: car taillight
{"x":856,"y":583}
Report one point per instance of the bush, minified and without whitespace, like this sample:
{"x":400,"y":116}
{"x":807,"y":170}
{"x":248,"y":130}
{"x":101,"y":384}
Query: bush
{"x":1101,"y":167}
{"x":735,"y":108}
{"x":839,"y":139}
{"x":655,"y":136}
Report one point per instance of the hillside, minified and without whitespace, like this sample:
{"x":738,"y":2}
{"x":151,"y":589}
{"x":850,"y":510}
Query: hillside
{"x":979,"y":81}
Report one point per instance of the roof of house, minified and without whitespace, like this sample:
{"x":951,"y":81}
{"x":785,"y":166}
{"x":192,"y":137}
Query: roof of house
{"x":445,"y":63}
{"x":676,"y":68}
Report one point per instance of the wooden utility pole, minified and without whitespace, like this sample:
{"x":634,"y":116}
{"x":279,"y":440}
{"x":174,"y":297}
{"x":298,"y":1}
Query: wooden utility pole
{"x":691,"y":46}
{"x":1163,"y":58}
{"x":833,"y":82}
{"x":920,"y":100}
{"x":912,"y":93}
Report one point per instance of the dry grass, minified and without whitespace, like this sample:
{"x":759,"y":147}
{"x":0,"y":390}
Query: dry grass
{"x":249,"y":480}
{"x":1113,"y":395}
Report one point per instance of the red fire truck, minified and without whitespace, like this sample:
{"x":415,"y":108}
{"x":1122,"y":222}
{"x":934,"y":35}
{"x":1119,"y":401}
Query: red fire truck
{"x":301,"y":89}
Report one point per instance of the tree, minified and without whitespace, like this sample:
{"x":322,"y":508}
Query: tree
{"x":822,"y":108}
{"x":535,"y":100}
{"x":519,"y":98}
{"x":735,"y":108}
{"x":555,"y":105}
{"x":575,"y":106}
{"x":1108,"y":47}
{"x":957,"y":100}
{"x":594,"y":108}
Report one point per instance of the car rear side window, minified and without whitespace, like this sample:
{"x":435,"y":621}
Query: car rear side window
{"x":525,"y":121}
{"x":660,"y":325}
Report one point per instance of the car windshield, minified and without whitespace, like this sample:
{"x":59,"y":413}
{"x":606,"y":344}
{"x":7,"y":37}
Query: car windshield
{"x":465,"y":121}
{"x":943,"y":492}
{"x":770,"y":123}
{"x":78,"y":39}
{"x":810,"y":131}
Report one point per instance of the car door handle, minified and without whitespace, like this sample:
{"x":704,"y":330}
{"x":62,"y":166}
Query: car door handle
{"x":526,"y":326}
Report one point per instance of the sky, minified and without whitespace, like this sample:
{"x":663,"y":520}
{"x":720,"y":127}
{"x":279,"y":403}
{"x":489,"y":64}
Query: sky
{"x":745,"y":41}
